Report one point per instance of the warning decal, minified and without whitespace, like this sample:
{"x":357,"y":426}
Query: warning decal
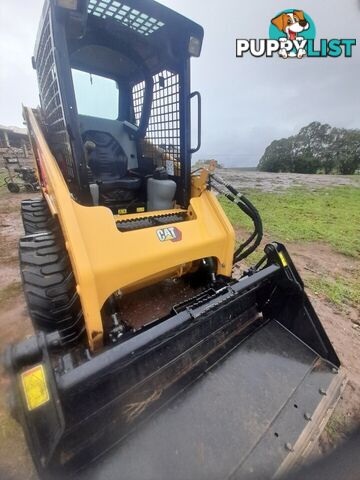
{"x":35,"y":387}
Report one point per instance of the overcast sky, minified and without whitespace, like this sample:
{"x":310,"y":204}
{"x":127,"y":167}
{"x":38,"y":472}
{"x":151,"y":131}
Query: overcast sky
{"x":247,"y":102}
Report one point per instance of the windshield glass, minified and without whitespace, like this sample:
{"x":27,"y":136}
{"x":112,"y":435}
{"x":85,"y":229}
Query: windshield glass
{"x":96,"y":96}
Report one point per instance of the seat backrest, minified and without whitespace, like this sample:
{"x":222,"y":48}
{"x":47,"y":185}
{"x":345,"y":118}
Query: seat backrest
{"x":108,"y":159}
{"x":116,"y":129}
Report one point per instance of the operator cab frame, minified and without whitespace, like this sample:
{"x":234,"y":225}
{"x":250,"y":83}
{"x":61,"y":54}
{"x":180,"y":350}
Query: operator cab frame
{"x":145,"y":49}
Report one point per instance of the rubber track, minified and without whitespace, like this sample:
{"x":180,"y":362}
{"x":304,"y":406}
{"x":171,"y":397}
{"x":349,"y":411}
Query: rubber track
{"x":36,"y":216}
{"x":49,"y":286}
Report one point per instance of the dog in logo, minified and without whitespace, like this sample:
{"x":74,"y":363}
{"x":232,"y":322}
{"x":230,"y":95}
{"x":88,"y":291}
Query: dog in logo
{"x":292,"y":24}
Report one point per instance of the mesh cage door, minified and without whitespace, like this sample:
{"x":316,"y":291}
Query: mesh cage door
{"x":162,"y":141}
{"x":51,"y":101}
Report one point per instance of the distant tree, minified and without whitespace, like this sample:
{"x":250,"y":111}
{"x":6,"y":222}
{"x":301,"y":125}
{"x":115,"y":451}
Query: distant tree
{"x":348,"y":153}
{"x":277,"y":157}
{"x":306,"y":164}
{"x":349,"y":164}
{"x":316,"y":148}
{"x":328,"y":163}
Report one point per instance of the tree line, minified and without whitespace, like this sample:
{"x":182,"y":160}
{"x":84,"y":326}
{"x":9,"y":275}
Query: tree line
{"x":316,"y":149}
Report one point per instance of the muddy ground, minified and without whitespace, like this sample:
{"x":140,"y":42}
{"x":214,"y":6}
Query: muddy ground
{"x":271,"y":182}
{"x":342,"y":326}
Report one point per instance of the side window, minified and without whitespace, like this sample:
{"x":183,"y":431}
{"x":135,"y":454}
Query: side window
{"x":96,"y":96}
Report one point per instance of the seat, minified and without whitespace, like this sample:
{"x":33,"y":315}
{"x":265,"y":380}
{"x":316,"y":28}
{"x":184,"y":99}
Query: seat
{"x":108,"y":163}
{"x":124,"y":183}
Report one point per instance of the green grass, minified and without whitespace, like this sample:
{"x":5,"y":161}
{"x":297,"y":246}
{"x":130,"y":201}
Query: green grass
{"x":326,"y":215}
{"x":331,"y":216}
{"x":340,"y":291}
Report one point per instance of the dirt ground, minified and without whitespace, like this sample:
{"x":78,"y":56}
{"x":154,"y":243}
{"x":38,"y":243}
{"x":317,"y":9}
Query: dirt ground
{"x":15,"y":462}
{"x":271,"y":182}
{"x":342,"y":326}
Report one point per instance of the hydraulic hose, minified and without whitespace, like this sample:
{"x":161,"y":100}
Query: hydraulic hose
{"x":249,"y":209}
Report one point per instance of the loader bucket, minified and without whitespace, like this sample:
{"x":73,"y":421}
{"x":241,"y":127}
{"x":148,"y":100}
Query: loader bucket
{"x":235,"y":383}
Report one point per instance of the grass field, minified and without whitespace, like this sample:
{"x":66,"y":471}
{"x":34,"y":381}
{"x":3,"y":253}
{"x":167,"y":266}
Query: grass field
{"x":330,"y":216}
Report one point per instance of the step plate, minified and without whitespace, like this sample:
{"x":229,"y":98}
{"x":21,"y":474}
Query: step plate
{"x":148,"y":222}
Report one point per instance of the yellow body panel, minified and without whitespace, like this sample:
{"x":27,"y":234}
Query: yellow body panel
{"x":106,"y":260}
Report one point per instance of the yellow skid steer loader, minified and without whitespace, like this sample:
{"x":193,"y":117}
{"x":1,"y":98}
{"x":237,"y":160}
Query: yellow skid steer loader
{"x":235,"y":377}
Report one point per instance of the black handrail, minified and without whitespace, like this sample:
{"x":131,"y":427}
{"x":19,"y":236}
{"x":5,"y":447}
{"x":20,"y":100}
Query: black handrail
{"x":197,"y":94}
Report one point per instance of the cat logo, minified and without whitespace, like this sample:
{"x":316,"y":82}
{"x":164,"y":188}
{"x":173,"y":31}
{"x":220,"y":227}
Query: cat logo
{"x":169,"y":234}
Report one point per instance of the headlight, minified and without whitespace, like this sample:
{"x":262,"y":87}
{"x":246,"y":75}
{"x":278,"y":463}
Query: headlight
{"x":68,"y":4}
{"x":195,"y":47}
